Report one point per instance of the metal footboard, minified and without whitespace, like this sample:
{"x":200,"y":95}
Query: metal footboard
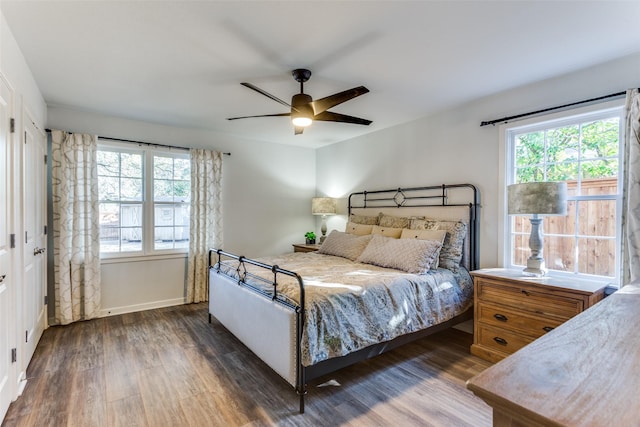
{"x":216,"y":256}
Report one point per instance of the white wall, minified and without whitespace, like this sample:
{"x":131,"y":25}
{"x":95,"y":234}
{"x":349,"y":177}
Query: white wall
{"x":451,"y":147}
{"x":15,"y":69}
{"x":267,"y":191}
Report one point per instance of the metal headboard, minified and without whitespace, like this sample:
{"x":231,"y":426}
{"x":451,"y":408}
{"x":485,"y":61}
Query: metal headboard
{"x":462,"y":195}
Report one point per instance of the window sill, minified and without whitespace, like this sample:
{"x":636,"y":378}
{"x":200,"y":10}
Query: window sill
{"x":142,"y":258}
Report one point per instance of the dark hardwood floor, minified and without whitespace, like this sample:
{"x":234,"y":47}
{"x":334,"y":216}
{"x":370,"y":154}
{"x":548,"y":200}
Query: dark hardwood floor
{"x":170,"y":367}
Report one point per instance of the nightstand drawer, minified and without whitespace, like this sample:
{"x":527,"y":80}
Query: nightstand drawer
{"x":529,"y":299}
{"x":501,"y":340}
{"x":504,"y":317}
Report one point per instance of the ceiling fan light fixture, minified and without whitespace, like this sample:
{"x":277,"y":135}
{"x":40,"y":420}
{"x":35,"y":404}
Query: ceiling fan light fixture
{"x":304,"y":110}
{"x":301,"y":121}
{"x":301,"y":110}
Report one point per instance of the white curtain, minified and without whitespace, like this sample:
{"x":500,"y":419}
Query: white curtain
{"x":206,"y":219}
{"x":76,"y":232}
{"x":631,"y":190}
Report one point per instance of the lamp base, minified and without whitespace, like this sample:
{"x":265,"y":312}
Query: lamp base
{"x":323,"y":229}
{"x":535,"y":267}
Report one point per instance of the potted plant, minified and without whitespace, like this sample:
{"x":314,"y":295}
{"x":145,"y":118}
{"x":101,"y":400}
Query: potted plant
{"x":310,"y":238}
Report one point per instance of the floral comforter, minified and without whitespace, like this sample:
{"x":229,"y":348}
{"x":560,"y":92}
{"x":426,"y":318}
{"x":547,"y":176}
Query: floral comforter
{"x":350,"y":305}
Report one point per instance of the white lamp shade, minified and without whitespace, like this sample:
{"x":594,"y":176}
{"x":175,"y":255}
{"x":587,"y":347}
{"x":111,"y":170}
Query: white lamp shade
{"x":323,"y":206}
{"x":537,"y":198}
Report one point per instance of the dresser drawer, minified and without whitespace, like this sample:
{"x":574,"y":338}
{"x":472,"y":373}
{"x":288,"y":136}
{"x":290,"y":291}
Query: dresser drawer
{"x":510,"y":318}
{"x":501,"y":340}
{"x":529,"y":299}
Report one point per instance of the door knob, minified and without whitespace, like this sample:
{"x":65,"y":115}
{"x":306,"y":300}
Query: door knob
{"x":2,"y":278}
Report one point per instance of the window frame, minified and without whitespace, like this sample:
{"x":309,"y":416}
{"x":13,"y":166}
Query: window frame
{"x":507,"y":176}
{"x":148,"y":203}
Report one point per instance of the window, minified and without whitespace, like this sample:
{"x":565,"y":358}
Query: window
{"x":132,"y":223}
{"x":584,"y":151}
{"x":171,"y":192}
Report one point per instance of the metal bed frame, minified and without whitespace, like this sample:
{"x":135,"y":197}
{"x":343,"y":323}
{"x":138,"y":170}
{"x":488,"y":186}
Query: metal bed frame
{"x":418,"y":197}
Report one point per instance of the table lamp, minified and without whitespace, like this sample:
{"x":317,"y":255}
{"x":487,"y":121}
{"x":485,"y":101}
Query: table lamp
{"x":323,"y":206}
{"x":537,"y":199}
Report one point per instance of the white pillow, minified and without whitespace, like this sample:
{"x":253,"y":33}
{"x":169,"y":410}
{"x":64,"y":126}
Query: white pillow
{"x":344,"y":245}
{"x":358,"y":229}
{"x":411,"y":255}
{"x":387,"y":231}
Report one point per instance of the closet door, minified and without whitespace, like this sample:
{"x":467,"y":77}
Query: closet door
{"x":7,"y":279}
{"x":34,"y":209}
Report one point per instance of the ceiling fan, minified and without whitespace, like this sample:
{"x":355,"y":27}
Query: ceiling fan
{"x":304,"y":110}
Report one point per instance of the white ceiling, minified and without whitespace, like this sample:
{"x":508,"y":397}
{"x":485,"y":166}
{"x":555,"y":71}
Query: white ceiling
{"x":180,"y":63}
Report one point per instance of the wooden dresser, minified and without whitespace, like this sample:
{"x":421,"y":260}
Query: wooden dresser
{"x":584,"y":373}
{"x":512,"y":310}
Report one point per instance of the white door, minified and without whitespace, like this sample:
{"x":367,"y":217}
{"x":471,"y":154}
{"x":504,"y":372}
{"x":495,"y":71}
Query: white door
{"x":34,"y":217}
{"x":7,"y":279}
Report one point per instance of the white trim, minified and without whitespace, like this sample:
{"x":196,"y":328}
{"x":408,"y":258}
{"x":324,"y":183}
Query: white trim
{"x":147,"y":203}
{"x":12,"y":172}
{"x":566,"y":115}
{"x":22,"y":383}
{"x":105,"y":312}
{"x":504,"y":153}
{"x":142,"y":258}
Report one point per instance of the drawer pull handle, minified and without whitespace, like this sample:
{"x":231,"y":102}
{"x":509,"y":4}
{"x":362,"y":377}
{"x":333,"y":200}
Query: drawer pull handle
{"x":525,"y":292}
{"x":500,"y":341}
{"x":548,"y":328}
{"x":500,"y":317}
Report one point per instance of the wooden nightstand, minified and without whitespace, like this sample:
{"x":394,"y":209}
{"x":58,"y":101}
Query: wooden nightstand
{"x":511,"y":310}
{"x":303,"y":247}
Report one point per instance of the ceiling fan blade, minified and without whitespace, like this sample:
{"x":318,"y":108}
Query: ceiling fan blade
{"x":329,"y":116}
{"x":324,"y":104}
{"x":267,"y":94}
{"x":261,"y":115}
{"x":298,"y":130}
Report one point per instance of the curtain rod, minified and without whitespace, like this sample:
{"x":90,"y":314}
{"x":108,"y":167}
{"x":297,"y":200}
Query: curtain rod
{"x":141,"y":142}
{"x":531,"y":113}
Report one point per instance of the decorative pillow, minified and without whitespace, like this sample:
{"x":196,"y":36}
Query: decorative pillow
{"x":364,"y":219}
{"x":410,"y":255}
{"x":451,"y":252}
{"x":437,"y":235}
{"x":456,"y":233}
{"x":344,"y":245}
{"x":387,"y":231}
{"x":423,"y":224}
{"x":358,"y":229}
{"x":393,"y":221}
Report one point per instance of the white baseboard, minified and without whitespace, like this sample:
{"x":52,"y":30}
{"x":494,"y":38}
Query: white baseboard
{"x":140,"y":307}
{"x":22,"y":383}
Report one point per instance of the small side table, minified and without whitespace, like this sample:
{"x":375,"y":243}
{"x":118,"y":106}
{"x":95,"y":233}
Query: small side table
{"x":303,"y":247}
